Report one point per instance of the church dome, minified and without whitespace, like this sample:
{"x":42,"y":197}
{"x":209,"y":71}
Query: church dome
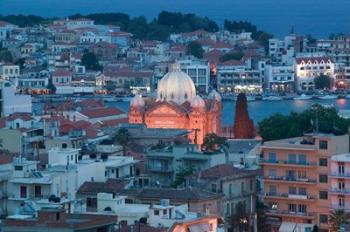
{"x":176,"y":86}
{"x":214,"y":95}
{"x":137,"y":101}
{"x":197,"y":102}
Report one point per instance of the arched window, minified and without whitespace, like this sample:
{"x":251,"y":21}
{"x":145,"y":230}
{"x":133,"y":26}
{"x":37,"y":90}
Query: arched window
{"x":108,"y":209}
{"x":186,"y":96}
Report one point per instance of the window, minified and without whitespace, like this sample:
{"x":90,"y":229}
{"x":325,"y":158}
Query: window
{"x":302,"y":191}
{"x":37,"y":191}
{"x":341,"y":168}
{"x":242,"y":187}
{"x":341,"y":185}
{"x":213,"y":188}
{"x":272,"y":158}
{"x":323,"y":178}
{"x":57,"y":216}
{"x":18,"y":168}
{"x":156,"y":212}
{"x":23,"y":191}
{"x":323,"y":195}
{"x":323,"y":218}
{"x":302,"y":159}
{"x":323,"y":162}
{"x":292,"y":190}
{"x":272,"y":173}
{"x":323,"y":145}
{"x":165,"y":211}
{"x":302,"y":208}
{"x":272,"y":190}
{"x":341,"y":202}
{"x":292,"y":208}
{"x":292,"y":158}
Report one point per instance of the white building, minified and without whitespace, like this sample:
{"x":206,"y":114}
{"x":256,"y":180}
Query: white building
{"x":9,"y":71}
{"x":283,"y":50}
{"x":199,"y":72}
{"x":279,"y":78}
{"x":13,"y":102}
{"x":162,"y":215}
{"x":5,"y":29}
{"x":307,"y":68}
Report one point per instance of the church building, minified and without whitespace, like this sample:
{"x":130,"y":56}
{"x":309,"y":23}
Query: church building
{"x":178,"y":106}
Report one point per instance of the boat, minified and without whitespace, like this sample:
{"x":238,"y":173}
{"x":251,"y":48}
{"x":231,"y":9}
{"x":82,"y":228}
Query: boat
{"x":303,"y":97}
{"x":328,"y":97}
{"x":250,"y":98}
{"x":272,"y":98}
{"x":347,"y":96}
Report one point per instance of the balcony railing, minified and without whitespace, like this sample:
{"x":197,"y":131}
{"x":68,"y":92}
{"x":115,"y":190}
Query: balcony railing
{"x":340,"y":175}
{"x":157,"y":169}
{"x":291,"y":196}
{"x":291,"y":179}
{"x":290,"y":213}
{"x":285,"y":162}
{"x":340,"y":191}
{"x":340,"y":207}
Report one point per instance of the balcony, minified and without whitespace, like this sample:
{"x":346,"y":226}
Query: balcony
{"x":340,"y":175}
{"x":284,"y":179}
{"x":346,"y":208}
{"x":284,"y":163}
{"x":287,"y":196}
{"x":344,"y":191}
{"x":282,"y":213}
{"x":160,"y":169}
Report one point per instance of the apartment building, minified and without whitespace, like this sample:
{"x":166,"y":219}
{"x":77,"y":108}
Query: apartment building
{"x":199,"y":72}
{"x":296,"y":185}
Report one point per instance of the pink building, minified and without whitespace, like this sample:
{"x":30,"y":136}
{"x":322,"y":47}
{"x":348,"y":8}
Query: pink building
{"x":340,"y":182}
{"x":61,"y":77}
{"x":297,"y":181}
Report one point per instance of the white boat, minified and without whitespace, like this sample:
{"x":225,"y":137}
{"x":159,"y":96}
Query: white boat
{"x":303,"y":97}
{"x":272,"y":98}
{"x":250,"y":98}
{"x":328,"y":97}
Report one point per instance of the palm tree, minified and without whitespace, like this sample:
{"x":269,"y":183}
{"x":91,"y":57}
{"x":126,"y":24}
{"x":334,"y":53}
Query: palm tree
{"x":337,"y":219}
{"x":122,"y":138}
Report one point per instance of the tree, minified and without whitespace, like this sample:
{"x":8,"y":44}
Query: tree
{"x":317,"y":118}
{"x":122,"y":138}
{"x":90,"y":61}
{"x":180,"y":177}
{"x":51,"y":86}
{"x":239,"y":220}
{"x":337,"y":219}
{"x":322,"y":82}
{"x":213,"y":142}
{"x":232,"y":56}
{"x":261,"y":217}
{"x":5,"y":56}
{"x":195,"y":49}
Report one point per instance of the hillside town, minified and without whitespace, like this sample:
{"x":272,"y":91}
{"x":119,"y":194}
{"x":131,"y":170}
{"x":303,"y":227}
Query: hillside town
{"x":73,"y":159}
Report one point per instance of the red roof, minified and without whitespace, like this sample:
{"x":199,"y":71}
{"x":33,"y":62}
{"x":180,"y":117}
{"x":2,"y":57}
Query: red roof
{"x":101,"y":112}
{"x":22,"y":116}
{"x":313,"y":59}
{"x":114,"y":122}
{"x":61,"y":72}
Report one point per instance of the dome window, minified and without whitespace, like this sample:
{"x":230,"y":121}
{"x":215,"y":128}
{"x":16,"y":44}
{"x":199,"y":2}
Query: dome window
{"x":185,"y":96}
{"x":172,"y":96}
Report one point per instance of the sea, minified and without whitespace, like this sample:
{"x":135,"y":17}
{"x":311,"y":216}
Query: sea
{"x":258,"y":110}
{"x":319,"y":18}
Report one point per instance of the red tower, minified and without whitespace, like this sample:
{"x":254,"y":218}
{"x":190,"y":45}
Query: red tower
{"x":243,"y":127}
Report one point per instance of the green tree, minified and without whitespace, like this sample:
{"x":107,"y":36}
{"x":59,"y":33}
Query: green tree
{"x":239,"y":219}
{"x":261,"y":217}
{"x":51,"y":86}
{"x":6,"y":56}
{"x":180,"y":177}
{"x":322,"y":82}
{"x":316,"y":118}
{"x":232,"y":56}
{"x":337,"y":219}
{"x":90,"y":61}
{"x":122,"y":138}
{"x":195,"y":49}
{"x":213,"y":142}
